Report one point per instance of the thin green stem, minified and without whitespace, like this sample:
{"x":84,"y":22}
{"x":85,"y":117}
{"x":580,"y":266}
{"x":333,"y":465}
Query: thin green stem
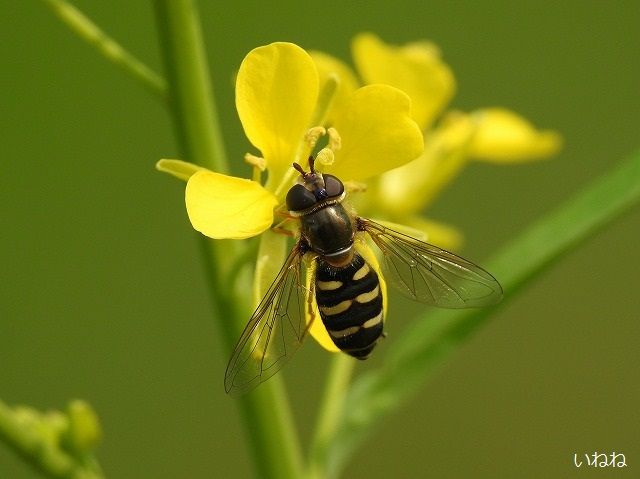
{"x":266,"y":412}
{"x":329,"y":414}
{"x":88,"y":31}
{"x":271,"y":430}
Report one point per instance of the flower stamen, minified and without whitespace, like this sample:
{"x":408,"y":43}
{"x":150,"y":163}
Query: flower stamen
{"x":256,"y":161}
{"x":335,"y":141}
{"x":313,"y":135}
{"x":325,"y":157}
{"x":259,"y":165}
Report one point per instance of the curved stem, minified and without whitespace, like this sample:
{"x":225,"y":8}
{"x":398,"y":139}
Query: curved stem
{"x":266,"y":412}
{"x":82,"y":26}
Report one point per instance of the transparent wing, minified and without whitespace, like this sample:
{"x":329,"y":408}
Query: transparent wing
{"x":429,"y":274}
{"x":274,"y":332}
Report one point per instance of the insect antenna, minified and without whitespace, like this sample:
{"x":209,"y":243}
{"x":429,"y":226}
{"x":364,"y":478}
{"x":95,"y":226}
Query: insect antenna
{"x":300,"y":170}
{"x":311,"y":167}
{"x":311,"y":162}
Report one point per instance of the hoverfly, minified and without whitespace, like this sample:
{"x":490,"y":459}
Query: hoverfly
{"x":346,"y":288}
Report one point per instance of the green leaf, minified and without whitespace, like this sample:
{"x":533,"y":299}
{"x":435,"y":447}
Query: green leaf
{"x":429,"y":340}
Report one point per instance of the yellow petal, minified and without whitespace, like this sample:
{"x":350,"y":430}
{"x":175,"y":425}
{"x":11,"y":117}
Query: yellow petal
{"x":415,"y":68}
{"x":410,"y":188}
{"x":221,"y":206}
{"x":378,"y":133}
{"x":317,"y":329}
{"x":276,"y":94}
{"x":347,"y":82}
{"x":504,"y":136}
{"x":436,"y":233}
{"x":178,"y":168}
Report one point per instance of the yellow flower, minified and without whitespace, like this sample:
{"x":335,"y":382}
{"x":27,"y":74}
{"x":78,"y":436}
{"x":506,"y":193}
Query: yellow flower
{"x":491,"y":134}
{"x":283,"y":108}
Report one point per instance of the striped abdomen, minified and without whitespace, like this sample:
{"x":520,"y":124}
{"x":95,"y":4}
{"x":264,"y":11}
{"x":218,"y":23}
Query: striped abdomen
{"x":350,"y":304}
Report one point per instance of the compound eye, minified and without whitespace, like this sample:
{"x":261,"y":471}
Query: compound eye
{"x":333,"y":185}
{"x":299,"y":198}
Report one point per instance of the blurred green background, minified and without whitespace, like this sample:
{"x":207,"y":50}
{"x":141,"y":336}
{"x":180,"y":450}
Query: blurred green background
{"x":102,"y":296}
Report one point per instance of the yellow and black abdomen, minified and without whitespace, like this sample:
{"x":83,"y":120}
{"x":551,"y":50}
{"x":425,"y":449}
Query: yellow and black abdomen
{"x":350,"y":304}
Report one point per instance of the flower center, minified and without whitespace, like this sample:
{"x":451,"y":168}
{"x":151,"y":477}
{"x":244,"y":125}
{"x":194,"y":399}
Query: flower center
{"x":325,"y":156}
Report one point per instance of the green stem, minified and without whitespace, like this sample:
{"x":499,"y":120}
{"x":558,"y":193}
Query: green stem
{"x":266,"y":412}
{"x":191,"y":96}
{"x":329,"y":414}
{"x":271,"y":431}
{"x":88,"y":31}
